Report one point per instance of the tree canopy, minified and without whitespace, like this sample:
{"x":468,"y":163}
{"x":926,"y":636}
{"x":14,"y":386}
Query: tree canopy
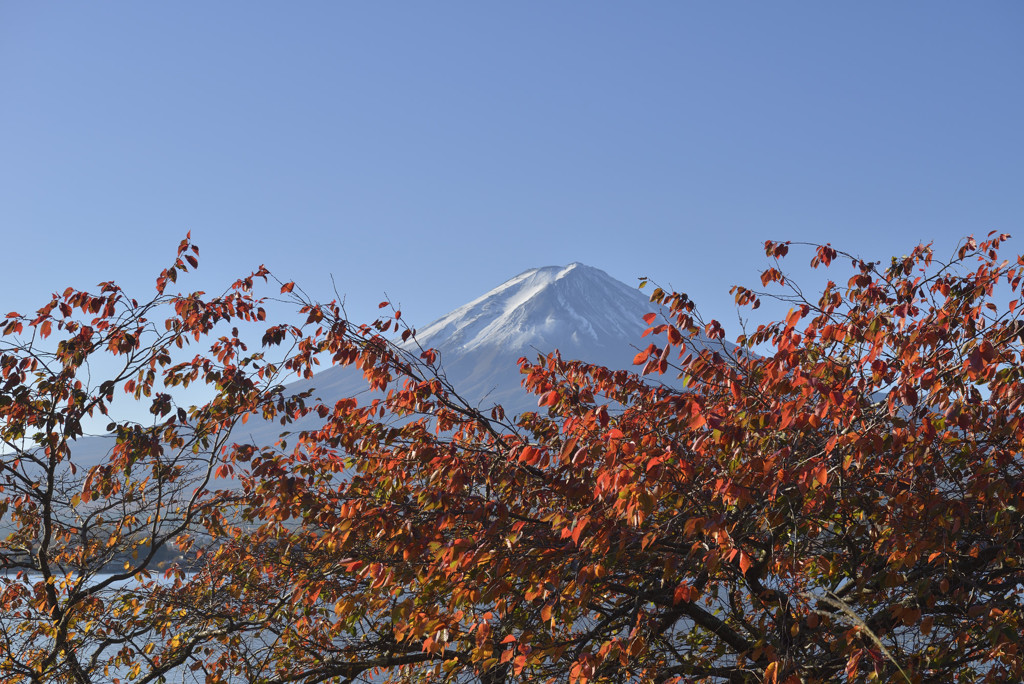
{"x":837,"y":496}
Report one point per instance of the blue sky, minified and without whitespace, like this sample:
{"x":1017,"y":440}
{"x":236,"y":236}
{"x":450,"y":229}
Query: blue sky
{"x":432,"y":150}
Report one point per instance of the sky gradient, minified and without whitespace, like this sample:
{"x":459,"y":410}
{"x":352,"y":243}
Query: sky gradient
{"x":433,"y":150}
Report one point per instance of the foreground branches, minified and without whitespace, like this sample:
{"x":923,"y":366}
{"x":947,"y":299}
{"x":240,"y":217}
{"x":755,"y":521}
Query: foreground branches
{"x":845,"y":503}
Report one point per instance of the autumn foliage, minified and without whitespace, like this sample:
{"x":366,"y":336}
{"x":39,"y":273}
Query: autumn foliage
{"x":837,"y":496}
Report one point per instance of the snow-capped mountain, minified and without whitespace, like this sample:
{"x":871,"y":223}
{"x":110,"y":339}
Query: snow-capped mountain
{"x":579,"y":310}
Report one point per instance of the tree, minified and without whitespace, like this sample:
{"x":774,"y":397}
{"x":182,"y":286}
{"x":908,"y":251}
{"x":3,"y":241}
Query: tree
{"x":101,"y":538}
{"x":838,"y":496}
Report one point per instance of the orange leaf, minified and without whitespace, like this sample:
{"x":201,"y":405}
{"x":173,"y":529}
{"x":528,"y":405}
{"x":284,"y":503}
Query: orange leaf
{"x":578,"y":530}
{"x":549,"y":399}
{"x":643,"y":356}
{"x":744,"y":562}
{"x":683,"y":593}
{"x":529,"y":455}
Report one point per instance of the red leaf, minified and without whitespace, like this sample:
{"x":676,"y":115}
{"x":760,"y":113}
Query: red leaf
{"x":975,"y":360}
{"x":287,"y":287}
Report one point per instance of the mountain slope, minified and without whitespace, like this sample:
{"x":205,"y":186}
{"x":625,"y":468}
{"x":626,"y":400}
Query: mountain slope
{"x":579,"y":310}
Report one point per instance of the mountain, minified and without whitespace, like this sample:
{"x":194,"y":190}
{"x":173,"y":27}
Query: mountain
{"x":579,"y":310}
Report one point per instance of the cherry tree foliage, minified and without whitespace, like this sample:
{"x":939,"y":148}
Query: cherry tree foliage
{"x":835,"y":497}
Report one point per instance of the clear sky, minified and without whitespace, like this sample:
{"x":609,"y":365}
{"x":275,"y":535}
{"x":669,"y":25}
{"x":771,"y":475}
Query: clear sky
{"x":433,"y":149}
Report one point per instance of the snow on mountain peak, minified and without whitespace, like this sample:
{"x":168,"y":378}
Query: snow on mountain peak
{"x":577,"y":309}
{"x":543,"y":308}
